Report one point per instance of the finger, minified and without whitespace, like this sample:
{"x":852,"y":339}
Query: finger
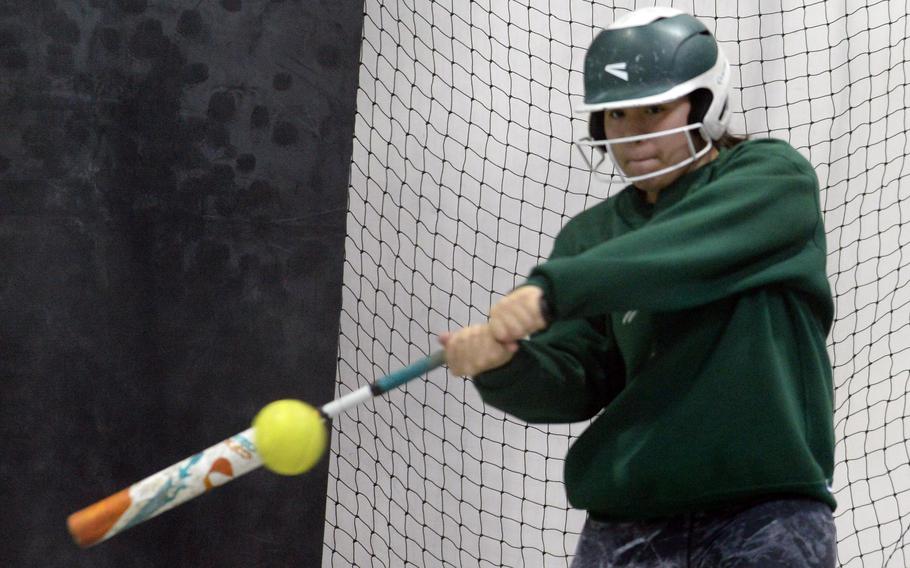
{"x":530,"y":311}
{"x":486,"y":358}
{"x":471,"y":351}
{"x":516,"y":327}
{"x":444,"y":338}
{"x":531,"y":299}
{"x":527,"y":321}
{"x":453,"y":353}
{"x":498,"y":329}
{"x":495,"y":349}
{"x":502,"y":320}
{"x":541,"y":313}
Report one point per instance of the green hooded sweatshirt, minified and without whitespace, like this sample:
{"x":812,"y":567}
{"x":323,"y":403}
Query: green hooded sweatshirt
{"x":694,"y":330}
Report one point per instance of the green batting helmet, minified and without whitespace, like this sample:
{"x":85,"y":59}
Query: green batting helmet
{"x":653,"y":56}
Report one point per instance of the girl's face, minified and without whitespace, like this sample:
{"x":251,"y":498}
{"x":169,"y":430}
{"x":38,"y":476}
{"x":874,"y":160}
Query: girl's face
{"x":645,"y":156}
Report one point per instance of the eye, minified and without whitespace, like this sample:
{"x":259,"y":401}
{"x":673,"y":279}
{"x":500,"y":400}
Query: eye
{"x":616,"y":114}
{"x":655,"y":109}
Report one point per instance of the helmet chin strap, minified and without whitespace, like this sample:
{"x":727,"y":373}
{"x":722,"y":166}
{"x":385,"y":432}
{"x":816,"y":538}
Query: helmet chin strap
{"x":694,"y":154}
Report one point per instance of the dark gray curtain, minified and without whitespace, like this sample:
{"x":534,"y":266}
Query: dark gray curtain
{"x":173,"y":181}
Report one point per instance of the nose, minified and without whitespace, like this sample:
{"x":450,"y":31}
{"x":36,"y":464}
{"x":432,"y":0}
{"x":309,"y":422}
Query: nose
{"x":633,"y":128}
{"x":633,"y":131}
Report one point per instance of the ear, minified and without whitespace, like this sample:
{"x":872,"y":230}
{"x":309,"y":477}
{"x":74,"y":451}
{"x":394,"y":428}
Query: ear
{"x":700,"y":99}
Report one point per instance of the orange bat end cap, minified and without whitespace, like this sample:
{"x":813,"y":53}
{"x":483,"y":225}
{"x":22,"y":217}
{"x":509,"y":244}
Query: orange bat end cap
{"x":89,"y":525}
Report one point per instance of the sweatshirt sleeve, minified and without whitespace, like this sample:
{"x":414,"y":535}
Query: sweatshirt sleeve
{"x":751,"y":225}
{"x":566,"y":373}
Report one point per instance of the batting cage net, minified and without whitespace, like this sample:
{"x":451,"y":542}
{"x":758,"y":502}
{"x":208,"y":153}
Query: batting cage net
{"x":463,"y":172}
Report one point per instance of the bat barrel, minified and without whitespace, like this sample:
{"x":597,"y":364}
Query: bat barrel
{"x":166,"y":489}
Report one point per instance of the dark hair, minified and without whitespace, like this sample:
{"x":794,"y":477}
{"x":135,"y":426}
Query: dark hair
{"x":700,"y":100}
{"x":728,"y":140}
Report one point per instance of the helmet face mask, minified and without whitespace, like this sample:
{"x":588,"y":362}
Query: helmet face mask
{"x":651,"y":57}
{"x":605,"y":148}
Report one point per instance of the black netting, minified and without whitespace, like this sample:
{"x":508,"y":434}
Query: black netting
{"x":463,"y":172}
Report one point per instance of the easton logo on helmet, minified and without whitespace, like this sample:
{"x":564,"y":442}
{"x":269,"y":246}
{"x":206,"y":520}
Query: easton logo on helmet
{"x":617,"y":70}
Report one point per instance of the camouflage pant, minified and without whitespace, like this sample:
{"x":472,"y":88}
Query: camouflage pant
{"x":780,"y":533}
